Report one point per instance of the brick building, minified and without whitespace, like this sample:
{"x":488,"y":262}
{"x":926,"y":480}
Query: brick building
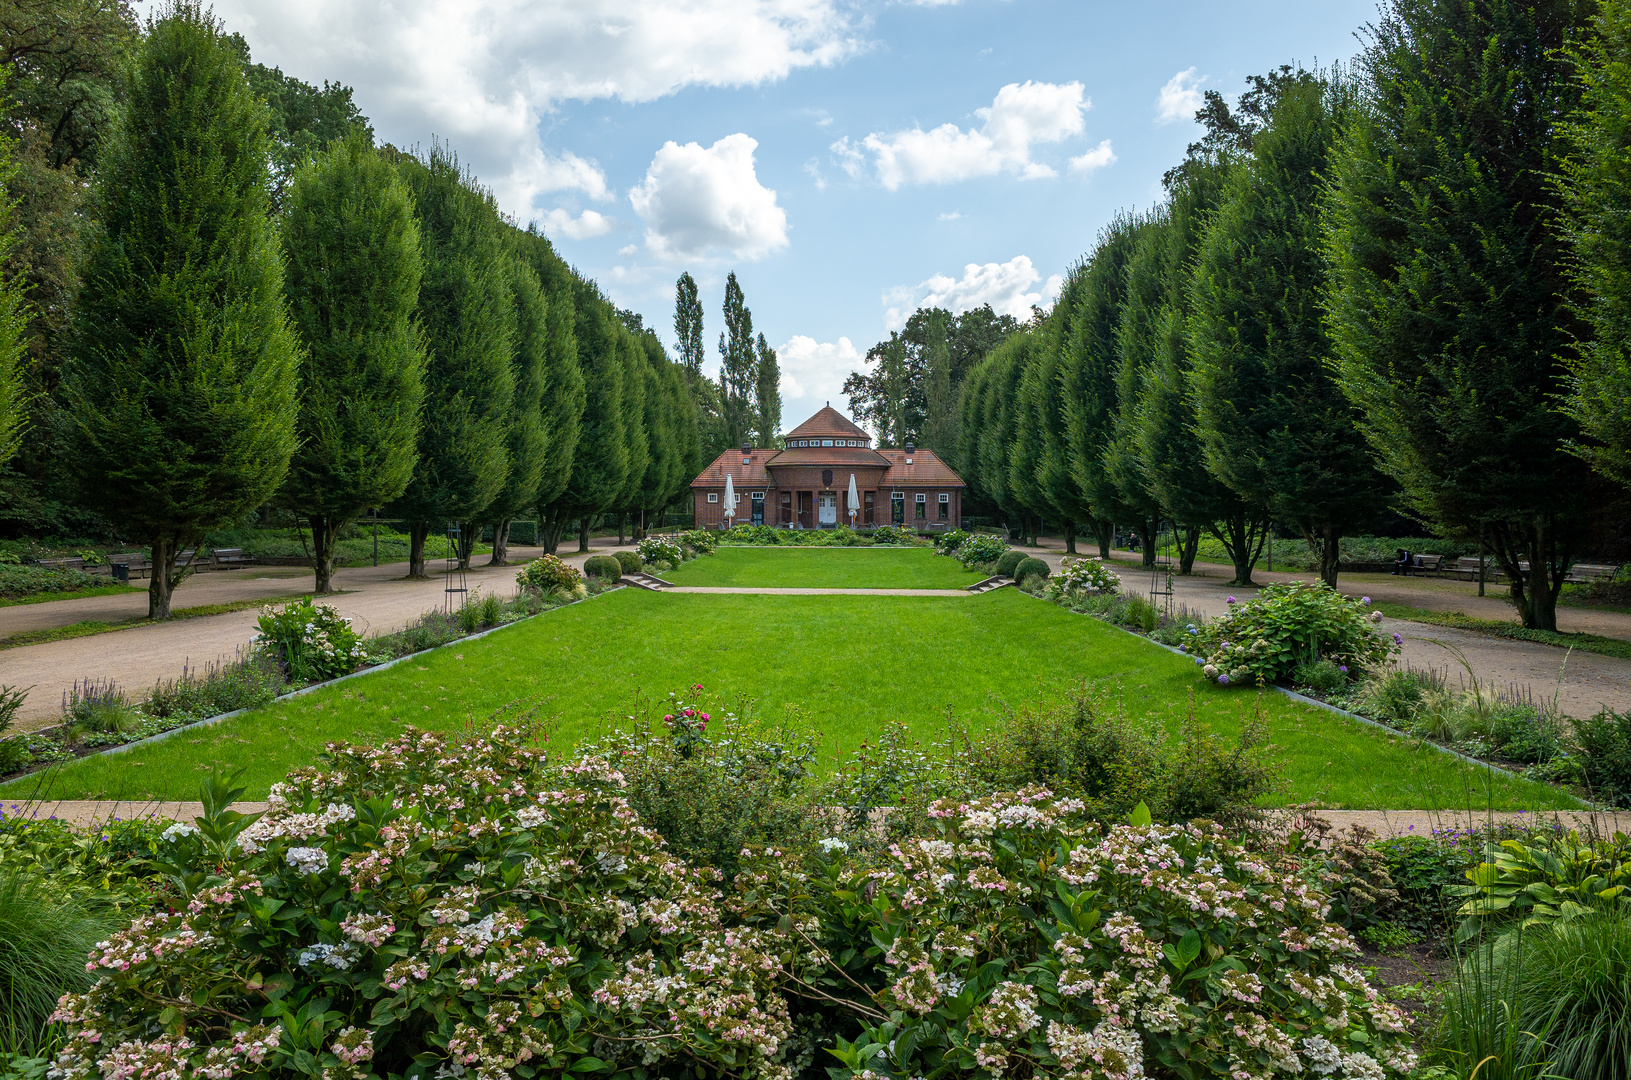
{"x":806,"y":484}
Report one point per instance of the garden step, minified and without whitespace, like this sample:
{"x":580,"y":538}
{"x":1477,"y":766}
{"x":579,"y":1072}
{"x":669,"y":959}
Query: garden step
{"x":996,"y":581}
{"x":646,"y":581}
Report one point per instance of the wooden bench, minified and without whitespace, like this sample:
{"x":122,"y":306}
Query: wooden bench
{"x":1466,"y":568}
{"x":1585,"y":573}
{"x":73,"y":563}
{"x":231,"y":558}
{"x":1422,"y":565}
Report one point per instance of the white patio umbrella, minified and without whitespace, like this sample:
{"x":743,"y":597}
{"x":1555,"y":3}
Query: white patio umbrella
{"x":854,"y":500}
{"x":730,"y":497}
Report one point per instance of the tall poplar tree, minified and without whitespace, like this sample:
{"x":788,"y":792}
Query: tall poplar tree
{"x":1138,"y":345}
{"x":1444,"y":235}
{"x":352,"y":248}
{"x":466,"y":311}
{"x":738,"y":366}
{"x":767,"y":393}
{"x":1597,"y":184}
{"x":180,"y":392}
{"x":600,"y":467}
{"x":691,"y":353}
{"x":563,"y":397}
{"x":527,"y":430}
{"x":1271,"y":421}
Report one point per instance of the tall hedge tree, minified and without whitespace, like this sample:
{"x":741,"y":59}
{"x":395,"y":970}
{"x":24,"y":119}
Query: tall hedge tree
{"x":1270,"y":418}
{"x":1447,"y":305}
{"x":180,"y":393}
{"x":600,"y":467}
{"x":1598,"y":189}
{"x":353,"y":270}
{"x":527,"y":434}
{"x":465,"y":309}
{"x":563,"y":398}
{"x":1124,"y":479}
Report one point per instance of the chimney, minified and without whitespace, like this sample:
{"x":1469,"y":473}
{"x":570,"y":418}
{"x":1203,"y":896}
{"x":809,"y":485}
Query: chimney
{"x":747,"y":453}
{"x":911,"y":448}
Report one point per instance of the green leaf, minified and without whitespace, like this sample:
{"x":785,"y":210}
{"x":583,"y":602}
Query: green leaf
{"x":1140,"y":815}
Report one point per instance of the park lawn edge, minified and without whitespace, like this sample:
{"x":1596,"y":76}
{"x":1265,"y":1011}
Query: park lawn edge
{"x":1455,"y":620}
{"x":92,"y":627}
{"x":73,"y":594}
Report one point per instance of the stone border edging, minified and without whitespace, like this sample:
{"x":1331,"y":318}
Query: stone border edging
{"x":210,"y":721}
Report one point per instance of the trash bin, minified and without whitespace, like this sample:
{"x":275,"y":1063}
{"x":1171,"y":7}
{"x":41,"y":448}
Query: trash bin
{"x":121,"y":571}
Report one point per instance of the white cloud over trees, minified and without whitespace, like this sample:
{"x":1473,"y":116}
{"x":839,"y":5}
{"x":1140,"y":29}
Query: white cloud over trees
{"x":700,"y":201}
{"x":1007,"y":287}
{"x":1180,"y":98}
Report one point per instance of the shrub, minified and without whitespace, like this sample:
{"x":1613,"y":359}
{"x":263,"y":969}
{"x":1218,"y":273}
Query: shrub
{"x":1605,"y":755}
{"x":980,"y":549}
{"x":17,"y":582}
{"x":1323,"y":676}
{"x":658,"y":549}
{"x":1395,"y":696}
{"x":1031,"y":570}
{"x":439,"y":905}
{"x":1290,"y":624}
{"x":45,"y":935}
{"x":311,"y":640}
{"x":252,"y":681}
{"x":947,"y":543}
{"x":629,"y":561}
{"x":13,"y":751}
{"x":604,"y":567}
{"x":893,"y":534}
{"x":701,"y":541}
{"x":1008,"y":561}
{"x":548,"y":575}
{"x":1083,"y":576}
{"x":1020,"y":937}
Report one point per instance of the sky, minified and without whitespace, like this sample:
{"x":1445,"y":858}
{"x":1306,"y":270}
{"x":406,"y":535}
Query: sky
{"x":850,"y":160}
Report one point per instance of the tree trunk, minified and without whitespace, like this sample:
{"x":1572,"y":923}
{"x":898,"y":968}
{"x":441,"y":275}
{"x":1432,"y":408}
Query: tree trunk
{"x":1187,"y":548}
{"x":1070,"y":538}
{"x":1327,"y":544}
{"x":583,"y":534}
{"x":323,"y":531}
{"x":501,"y":544}
{"x":1546,"y":546}
{"x":418,"y":532}
{"x":1146,"y":539}
{"x":1104,"y":532}
{"x":466,"y":543}
{"x":1243,"y":539}
{"x":550,"y":527}
{"x":640,"y":527}
{"x":160,"y":577}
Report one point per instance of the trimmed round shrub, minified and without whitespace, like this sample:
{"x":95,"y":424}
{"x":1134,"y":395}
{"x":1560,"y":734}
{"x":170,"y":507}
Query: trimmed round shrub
{"x":1031,"y":567}
{"x":1009,"y":561}
{"x":629,"y":561}
{"x":604,"y":567}
{"x":548,"y":575}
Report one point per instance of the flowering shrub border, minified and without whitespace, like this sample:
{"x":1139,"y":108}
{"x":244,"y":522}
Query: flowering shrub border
{"x":1287,"y":624}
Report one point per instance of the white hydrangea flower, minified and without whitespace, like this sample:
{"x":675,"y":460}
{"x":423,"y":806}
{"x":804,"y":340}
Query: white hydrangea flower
{"x":177,"y":831}
{"x":307,"y":860}
{"x":832,"y":844}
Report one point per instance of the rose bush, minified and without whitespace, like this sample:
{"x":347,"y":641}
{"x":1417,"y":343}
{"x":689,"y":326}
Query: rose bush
{"x":432,"y":909}
{"x":1287,"y":625}
{"x":1021,"y":939}
{"x":1083,"y":577}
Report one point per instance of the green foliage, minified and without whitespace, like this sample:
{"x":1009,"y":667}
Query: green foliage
{"x":98,"y":707}
{"x":1082,"y":576}
{"x":352,"y":249}
{"x":1031,"y":569}
{"x":1287,"y":625}
{"x":562,"y":401}
{"x":550,"y":576}
{"x":311,"y":641}
{"x":604,"y":567}
{"x":1597,"y":221}
{"x":250,"y":682}
{"x":947,"y":543}
{"x":893,"y":534}
{"x":13,"y":751}
{"x":1605,"y":755}
{"x":179,"y":402}
{"x":1422,"y":869}
{"x":1544,"y":878}
{"x":843,"y":536}
{"x":628,"y":560}
{"x":1323,"y":676}
{"x":701,"y":541}
{"x":1008,"y":560}
{"x":19,"y":581}
{"x":655,"y":549}
{"x":980,"y":549}
{"x":1448,"y":303}
{"x":738,"y":366}
{"x":45,"y":935}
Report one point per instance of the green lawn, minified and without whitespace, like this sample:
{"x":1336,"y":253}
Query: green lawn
{"x":824,"y":568}
{"x":838,"y":665}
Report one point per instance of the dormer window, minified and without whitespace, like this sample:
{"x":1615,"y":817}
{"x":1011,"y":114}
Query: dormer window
{"x":826,"y":442}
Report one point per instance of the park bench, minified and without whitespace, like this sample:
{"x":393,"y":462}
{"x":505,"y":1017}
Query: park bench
{"x":1466,"y":568}
{"x":73,"y":563}
{"x":231,"y":558}
{"x":1585,"y":573}
{"x":1422,"y":565}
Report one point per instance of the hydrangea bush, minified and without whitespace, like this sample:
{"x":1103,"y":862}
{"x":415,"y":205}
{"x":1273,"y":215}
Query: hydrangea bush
{"x":1291,"y":624}
{"x":549,"y":575}
{"x":701,"y":541}
{"x":981,"y":548}
{"x":311,"y":641}
{"x":947,"y":543}
{"x":1021,"y":940}
{"x":893,"y":534}
{"x":433,"y":909}
{"x":1082,"y":577}
{"x":655,"y":549}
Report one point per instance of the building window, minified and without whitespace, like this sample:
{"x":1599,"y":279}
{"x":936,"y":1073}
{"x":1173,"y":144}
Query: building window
{"x":945,"y":508}
{"x":759,"y":495}
{"x":826,"y":442}
{"x":713,"y":496}
{"x":922,"y":507}
{"x":787,"y":498}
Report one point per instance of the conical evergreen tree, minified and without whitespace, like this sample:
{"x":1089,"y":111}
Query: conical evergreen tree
{"x":1448,"y":307}
{"x":1124,"y":478}
{"x":180,"y":395}
{"x":1271,"y":421}
{"x":14,"y":396}
{"x":466,"y":311}
{"x":352,"y":247}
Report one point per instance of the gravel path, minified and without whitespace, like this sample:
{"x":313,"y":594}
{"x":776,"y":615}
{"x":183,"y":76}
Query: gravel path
{"x":378,"y":600}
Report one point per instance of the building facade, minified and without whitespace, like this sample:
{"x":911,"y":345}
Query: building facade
{"x":806,"y":485}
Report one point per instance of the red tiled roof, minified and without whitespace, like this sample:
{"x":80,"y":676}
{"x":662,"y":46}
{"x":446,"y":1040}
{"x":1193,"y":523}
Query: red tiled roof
{"x":817,"y":456}
{"x":926,"y":468}
{"x":829,"y":423}
{"x":741,"y":475}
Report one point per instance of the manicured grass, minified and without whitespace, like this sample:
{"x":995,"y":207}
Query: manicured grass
{"x":840,"y":666}
{"x":96,"y":626}
{"x":76,"y":594}
{"x":1594,"y":643}
{"x":824,"y":568}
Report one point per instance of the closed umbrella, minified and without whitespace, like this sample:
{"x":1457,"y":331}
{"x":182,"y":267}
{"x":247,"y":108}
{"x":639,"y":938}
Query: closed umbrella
{"x":730,"y":497}
{"x":854,"y":500}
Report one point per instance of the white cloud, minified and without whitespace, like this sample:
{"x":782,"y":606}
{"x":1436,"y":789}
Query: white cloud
{"x":695,"y":201}
{"x":952,"y":215}
{"x":1007,"y":287}
{"x":481,"y":74}
{"x":1022,"y":115}
{"x":628,"y":249}
{"x":1095,"y":159}
{"x":587,"y":224}
{"x":1180,"y":98}
{"x":813,"y":371}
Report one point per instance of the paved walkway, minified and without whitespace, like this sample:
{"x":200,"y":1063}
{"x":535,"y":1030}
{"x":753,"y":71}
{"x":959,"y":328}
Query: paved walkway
{"x":378,"y":600}
{"x":87,"y":812}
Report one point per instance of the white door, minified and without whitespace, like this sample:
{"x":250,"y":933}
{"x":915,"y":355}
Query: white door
{"x":827,"y":509}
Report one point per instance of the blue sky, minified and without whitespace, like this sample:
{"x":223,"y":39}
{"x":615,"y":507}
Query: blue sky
{"x":803,"y":143}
